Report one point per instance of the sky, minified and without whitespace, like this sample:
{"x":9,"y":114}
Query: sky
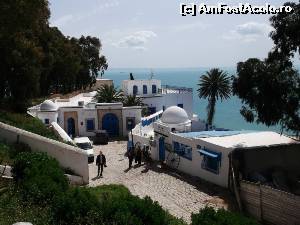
{"x":154,"y":34}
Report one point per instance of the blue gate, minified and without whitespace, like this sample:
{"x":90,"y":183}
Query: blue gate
{"x":110,"y":123}
{"x":162,"y":149}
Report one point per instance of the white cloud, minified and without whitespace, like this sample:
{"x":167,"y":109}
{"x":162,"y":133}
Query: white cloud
{"x":137,"y":40}
{"x":248,"y":32}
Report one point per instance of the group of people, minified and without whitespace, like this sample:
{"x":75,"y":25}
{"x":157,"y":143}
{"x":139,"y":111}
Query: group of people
{"x":132,"y":154}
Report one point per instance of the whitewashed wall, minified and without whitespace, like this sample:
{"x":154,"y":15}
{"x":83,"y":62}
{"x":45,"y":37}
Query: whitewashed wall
{"x":186,"y":99}
{"x":127,"y":86}
{"x":52,"y":116}
{"x":135,"y":112}
{"x":194,"y":167}
{"x":67,"y":155}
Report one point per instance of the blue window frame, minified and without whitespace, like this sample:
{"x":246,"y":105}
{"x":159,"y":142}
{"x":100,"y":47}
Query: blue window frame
{"x":90,"y":124}
{"x":135,"y":90}
{"x":182,"y":150}
{"x":211,"y":160}
{"x":180,"y":105}
{"x":47,"y":121}
{"x":145,"y":89}
{"x":154,"y":89}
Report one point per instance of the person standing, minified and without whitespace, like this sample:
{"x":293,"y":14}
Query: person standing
{"x":138,"y":156}
{"x":130,"y":156}
{"x":100,"y":162}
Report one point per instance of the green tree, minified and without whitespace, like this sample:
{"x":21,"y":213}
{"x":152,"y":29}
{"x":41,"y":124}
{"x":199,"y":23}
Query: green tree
{"x":270,"y":94}
{"x":214,"y":85}
{"x":91,"y":62}
{"x":286,"y":33}
{"x":37,"y":60}
{"x":270,"y":89}
{"x":108,"y":94}
{"x":132,"y":100}
{"x":21,"y":24}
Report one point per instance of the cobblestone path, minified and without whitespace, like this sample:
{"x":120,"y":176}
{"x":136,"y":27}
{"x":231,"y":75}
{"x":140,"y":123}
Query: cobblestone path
{"x":180,"y":194}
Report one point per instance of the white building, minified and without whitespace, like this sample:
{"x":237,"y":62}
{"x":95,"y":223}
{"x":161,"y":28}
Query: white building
{"x":81,"y":116}
{"x":158,"y":97}
{"x":210,"y":154}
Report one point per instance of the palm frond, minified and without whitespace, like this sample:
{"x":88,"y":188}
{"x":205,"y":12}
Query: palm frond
{"x":108,"y":94}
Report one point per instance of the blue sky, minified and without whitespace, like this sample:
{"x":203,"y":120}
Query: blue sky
{"x":153,"y":34}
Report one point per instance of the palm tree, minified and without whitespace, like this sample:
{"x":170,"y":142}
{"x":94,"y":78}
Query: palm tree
{"x":108,"y":94}
{"x":132,"y":100}
{"x":213,"y":85}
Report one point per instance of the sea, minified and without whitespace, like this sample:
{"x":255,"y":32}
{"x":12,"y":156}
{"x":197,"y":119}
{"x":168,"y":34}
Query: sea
{"x":227,"y":112}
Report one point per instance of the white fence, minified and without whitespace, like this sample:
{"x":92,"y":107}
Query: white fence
{"x":67,"y":155}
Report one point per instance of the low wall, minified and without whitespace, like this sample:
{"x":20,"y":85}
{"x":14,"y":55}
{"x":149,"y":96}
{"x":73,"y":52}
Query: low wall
{"x":270,"y":205}
{"x":67,"y":155}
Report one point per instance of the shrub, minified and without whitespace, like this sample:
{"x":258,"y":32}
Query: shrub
{"x":77,"y":206}
{"x":119,"y":206}
{"x":13,"y":209}
{"x":38,"y":177}
{"x":208,"y":216}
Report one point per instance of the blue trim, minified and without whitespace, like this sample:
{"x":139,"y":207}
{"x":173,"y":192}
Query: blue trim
{"x":204,"y":152}
{"x":129,"y":145}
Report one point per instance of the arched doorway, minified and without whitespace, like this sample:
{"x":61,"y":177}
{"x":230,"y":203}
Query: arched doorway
{"x":71,"y":127}
{"x":110,"y":123}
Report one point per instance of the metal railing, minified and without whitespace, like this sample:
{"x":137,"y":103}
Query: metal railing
{"x":167,"y":89}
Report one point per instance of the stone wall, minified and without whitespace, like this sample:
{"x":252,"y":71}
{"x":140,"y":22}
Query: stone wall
{"x":67,"y":155}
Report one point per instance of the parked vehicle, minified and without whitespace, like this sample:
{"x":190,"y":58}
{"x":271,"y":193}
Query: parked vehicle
{"x":101,"y":137}
{"x":85,"y":144}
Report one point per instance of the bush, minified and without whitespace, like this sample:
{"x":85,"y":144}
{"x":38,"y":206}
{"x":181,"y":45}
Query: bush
{"x":208,"y":216}
{"x":13,"y":209}
{"x":119,"y":206}
{"x":38,"y":177}
{"x":77,"y":206}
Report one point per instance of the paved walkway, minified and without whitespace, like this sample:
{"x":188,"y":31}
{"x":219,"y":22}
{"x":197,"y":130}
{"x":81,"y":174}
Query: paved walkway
{"x":180,"y":194}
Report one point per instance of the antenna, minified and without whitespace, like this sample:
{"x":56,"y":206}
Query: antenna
{"x":151,"y":74}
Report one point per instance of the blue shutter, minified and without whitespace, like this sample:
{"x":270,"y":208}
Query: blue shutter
{"x":135,"y":90}
{"x":90,"y":125}
{"x":154,"y":89}
{"x":144,"y":89}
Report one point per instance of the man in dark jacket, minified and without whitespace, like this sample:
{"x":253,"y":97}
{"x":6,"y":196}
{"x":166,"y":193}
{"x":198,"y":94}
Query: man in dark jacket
{"x":100,"y":162}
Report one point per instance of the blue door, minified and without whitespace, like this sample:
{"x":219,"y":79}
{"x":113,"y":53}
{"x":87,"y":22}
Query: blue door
{"x":71,"y":127}
{"x":110,"y":123}
{"x":162,"y":149}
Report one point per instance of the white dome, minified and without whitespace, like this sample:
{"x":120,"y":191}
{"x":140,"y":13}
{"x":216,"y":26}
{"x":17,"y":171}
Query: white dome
{"x":174,"y":115}
{"x":48,"y":105}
